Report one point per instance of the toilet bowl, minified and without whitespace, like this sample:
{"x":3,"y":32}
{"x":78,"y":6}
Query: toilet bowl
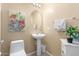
{"x":17,"y":48}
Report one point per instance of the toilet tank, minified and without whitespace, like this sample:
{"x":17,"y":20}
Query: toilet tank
{"x":16,"y":46}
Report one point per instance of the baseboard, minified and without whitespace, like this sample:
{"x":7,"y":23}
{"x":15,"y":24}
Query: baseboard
{"x":34,"y":52}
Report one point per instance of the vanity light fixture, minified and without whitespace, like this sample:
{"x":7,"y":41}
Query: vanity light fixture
{"x":37,"y":5}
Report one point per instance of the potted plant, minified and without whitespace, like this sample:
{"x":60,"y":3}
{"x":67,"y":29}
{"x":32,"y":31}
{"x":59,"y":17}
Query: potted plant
{"x":76,"y":36}
{"x":71,"y":32}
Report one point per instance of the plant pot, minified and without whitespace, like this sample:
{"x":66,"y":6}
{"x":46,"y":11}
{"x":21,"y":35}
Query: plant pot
{"x":69,"y":40}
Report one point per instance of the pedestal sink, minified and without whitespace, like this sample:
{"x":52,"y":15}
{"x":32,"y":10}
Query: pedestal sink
{"x":38,"y":37}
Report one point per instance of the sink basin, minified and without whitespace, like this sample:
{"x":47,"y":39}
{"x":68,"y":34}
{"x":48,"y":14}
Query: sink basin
{"x":38,"y":35}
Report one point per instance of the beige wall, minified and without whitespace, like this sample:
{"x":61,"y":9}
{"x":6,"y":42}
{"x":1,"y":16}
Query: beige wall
{"x":0,"y":20}
{"x":0,"y":24}
{"x":50,"y":12}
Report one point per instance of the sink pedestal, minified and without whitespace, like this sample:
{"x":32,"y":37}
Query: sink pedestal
{"x":38,"y":47}
{"x":38,"y":37}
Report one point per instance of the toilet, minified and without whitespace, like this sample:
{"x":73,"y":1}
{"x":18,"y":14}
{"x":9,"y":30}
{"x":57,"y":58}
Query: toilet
{"x":17,"y":48}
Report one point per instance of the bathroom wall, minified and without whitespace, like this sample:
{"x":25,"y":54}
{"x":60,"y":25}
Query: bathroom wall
{"x":0,"y":20}
{"x":58,"y":11}
{"x":9,"y":36}
{"x":0,"y":24}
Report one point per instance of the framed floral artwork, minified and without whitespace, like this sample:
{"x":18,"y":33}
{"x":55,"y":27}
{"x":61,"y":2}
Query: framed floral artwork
{"x":16,"y":22}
